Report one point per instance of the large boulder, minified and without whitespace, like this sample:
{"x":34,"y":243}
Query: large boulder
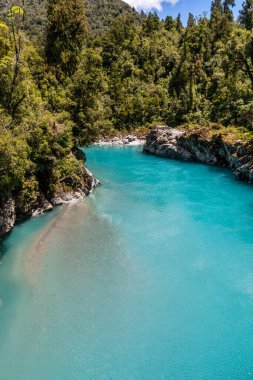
{"x":164,"y":142}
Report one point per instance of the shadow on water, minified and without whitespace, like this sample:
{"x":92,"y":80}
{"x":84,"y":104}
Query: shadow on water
{"x":35,"y":220}
{"x":226,"y":172}
{"x":4,"y":241}
{"x":3,"y":249}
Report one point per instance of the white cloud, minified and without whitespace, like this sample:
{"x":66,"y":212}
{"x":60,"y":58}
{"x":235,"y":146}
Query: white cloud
{"x":149,"y":4}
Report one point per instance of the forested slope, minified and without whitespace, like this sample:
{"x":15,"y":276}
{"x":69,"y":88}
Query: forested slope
{"x":100,"y":13}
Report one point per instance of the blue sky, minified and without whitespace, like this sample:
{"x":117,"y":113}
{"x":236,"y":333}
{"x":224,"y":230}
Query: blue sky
{"x":173,"y":7}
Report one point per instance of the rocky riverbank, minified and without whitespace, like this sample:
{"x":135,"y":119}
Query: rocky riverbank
{"x":130,"y":140}
{"x":185,"y":145}
{"x":13,"y":211}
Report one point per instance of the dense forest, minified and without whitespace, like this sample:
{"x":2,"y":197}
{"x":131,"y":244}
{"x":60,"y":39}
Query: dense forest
{"x":99,"y":13}
{"x":70,"y":72}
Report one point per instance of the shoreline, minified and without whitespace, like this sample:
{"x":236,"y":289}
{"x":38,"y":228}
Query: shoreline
{"x":191,"y":146}
{"x":129,"y":140}
{"x":9,"y":216}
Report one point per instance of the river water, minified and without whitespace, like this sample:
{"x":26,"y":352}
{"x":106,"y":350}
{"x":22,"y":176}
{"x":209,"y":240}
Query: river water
{"x":149,"y":278}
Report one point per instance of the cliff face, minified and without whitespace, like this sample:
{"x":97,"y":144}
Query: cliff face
{"x":12,"y":210}
{"x":172,"y":143}
{"x":7,"y":214}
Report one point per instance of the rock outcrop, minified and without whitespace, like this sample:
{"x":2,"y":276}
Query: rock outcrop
{"x":172,"y":143}
{"x":11,"y":211}
{"x":7,"y":214}
{"x":129,"y":140}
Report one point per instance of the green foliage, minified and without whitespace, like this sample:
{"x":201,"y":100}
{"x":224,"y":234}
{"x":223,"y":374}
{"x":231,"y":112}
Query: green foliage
{"x":14,"y":161}
{"x":65,"y":34}
{"x":16,"y":11}
{"x":26,"y":194}
{"x":90,"y":103}
{"x":246,"y":15}
{"x":100,"y":14}
{"x":66,"y":175}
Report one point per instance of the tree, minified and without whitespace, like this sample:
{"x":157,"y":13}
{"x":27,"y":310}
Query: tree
{"x":66,"y":33}
{"x":190,"y":21}
{"x":227,"y":5}
{"x":241,"y":52}
{"x":16,"y":17}
{"x":152,"y":23}
{"x":179,"y":25}
{"x":169,"y":23}
{"x":221,"y":21}
{"x":246,"y":15}
{"x":216,"y":19}
{"x":90,"y":109}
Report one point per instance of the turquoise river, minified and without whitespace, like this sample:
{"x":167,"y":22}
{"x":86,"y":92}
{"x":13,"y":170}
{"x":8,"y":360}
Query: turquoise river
{"x":149,"y":278}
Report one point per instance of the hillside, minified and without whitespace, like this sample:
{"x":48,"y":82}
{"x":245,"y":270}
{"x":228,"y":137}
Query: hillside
{"x":100,"y":13}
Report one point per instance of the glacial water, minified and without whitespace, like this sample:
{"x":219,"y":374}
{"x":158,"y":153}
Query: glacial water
{"x":150,"y":278}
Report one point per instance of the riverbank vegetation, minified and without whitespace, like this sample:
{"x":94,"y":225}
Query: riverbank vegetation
{"x":68,"y":75}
